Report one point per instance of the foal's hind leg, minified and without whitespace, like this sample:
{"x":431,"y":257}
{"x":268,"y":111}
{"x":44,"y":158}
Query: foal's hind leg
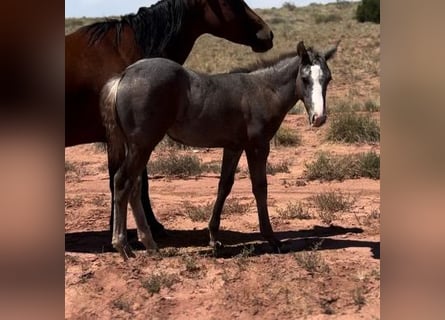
{"x":125,"y":180}
{"x":156,"y":227}
{"x":256,"y":159}
{"x":228,"y":168}
{"x":144,"y":232}
{"x":122,"y":189}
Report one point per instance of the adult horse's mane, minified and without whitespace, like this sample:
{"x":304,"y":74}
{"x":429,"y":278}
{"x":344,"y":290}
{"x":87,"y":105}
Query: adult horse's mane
{"x":153,"y":27}
{"x":266,"y":63}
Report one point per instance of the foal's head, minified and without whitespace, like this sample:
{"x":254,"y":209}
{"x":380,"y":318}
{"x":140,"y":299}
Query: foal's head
{"x":312,"y":82}
{"x":235,"y":21}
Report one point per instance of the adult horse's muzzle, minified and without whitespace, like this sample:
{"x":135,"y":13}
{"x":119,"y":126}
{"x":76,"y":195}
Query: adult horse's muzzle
{"x":263,"y":40}
{"x":316,"y":120}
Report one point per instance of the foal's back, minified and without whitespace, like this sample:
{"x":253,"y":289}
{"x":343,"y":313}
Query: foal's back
{"x":151,"y":92}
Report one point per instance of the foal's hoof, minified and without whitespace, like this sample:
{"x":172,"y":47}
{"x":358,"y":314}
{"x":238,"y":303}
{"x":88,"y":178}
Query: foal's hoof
{"x":216,"y":245}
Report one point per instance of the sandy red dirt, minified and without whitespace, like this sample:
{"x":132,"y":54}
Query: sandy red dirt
{"x":244,"y":281}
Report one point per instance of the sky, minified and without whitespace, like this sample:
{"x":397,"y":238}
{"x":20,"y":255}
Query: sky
{"x":103,"y":8}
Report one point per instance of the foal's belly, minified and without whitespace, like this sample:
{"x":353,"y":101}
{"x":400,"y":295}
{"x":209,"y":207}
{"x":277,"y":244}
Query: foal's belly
{"x":206,"y":135}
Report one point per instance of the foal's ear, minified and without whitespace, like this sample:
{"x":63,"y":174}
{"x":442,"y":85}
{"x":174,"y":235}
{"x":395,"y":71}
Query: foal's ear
{"x":302,"y":53}
{"x":331,"y":52}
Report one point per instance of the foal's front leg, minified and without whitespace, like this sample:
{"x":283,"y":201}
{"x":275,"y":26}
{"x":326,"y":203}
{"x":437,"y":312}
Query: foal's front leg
{"x":228,"y":168}
{"x":256,"y":159}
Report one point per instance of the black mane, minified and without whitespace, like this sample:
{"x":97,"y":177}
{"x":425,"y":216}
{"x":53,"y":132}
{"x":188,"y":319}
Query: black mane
{"x":265,"y":63}
{"x":154,"y":27}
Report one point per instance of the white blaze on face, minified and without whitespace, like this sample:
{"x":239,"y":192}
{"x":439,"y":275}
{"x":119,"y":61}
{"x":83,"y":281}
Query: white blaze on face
{"x":317,"y":91}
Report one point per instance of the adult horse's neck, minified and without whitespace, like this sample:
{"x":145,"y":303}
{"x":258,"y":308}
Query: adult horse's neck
{"x":174,"y":27}
{"x":167,"y":29}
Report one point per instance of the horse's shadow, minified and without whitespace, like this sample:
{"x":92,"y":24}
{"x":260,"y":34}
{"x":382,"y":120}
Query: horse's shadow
{"x":234,"y":242}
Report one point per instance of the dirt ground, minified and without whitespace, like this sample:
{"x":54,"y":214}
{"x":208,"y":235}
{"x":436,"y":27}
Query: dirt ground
{"x":246,"y":279}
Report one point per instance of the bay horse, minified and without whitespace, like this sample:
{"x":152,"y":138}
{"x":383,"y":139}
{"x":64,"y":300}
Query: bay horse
{"x":237,"y":111}
{"x":168,"y":29}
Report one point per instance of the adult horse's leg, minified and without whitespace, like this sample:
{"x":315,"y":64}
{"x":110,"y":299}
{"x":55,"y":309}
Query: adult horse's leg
{"x":256,"y":159}
{"x":156,"y":227}
{"x":228,"y":168}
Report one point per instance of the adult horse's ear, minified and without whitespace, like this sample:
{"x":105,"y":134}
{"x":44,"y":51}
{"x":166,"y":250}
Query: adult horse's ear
{"x":302,"y":53}
{"x":331,"y":52}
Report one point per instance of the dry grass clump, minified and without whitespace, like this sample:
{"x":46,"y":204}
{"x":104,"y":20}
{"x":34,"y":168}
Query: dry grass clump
{"x":329,"y":203}
{"x":350,"y":127}
{"x":327,"y":167}
{"x":286,"y":137}
{"x":294,"y":210}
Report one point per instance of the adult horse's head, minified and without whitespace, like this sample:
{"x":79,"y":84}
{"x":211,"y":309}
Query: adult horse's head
{"x":235,"y":21}
{"x":312,"y":82}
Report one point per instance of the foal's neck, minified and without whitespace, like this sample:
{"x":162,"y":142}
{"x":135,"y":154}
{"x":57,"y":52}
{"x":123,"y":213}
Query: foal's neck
{"x":283,"y":77}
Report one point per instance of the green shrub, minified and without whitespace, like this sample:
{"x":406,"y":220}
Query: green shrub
{"x":350,"y":127}
{"x":368,"y":10}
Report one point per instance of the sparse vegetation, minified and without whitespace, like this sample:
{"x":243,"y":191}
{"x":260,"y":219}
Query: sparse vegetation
{"x":181,"y":165}
{"x":328,"y":167}
{"x":312,"y":261}
{"x":121,"y":304}
{"x":294,"y":210}
{"x":169,"y":252}
{"x":173,"y":164}
{"x":242,"y":257}
{"x":358,"y":296}
{"x":191,"y":263}
{"x":332,"y":17}
{"x":371,"y":106}
{"x":156,"y":281}
{"x":282,"y":166}
{"x":286,"y":137}
{"x":198,"y":213}
{"x":329,"y":203}
{"x":234,"y":206}
{"x":350,"y":127}
{"x":203,"y":212}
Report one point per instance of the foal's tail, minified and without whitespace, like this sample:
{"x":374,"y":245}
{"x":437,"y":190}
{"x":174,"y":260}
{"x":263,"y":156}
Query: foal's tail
{"x":115,"y":136}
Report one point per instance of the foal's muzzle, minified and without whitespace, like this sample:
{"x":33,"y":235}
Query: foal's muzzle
{"x":316,"y":120}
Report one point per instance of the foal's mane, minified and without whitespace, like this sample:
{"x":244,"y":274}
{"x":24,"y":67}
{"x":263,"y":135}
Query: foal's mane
{"x":154,"y":27}
{"x":266,"y":63}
